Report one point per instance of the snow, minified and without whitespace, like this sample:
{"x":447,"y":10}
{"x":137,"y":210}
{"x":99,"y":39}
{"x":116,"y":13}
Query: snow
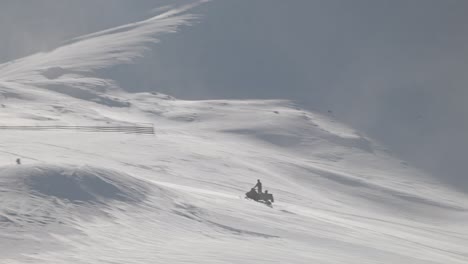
{"x":178,"y":196}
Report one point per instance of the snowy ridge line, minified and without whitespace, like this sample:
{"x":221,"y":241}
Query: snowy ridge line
{"x":146,"y":130}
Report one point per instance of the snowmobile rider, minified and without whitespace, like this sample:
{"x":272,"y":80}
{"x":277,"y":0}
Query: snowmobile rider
{"x":258,"y":186}
{"x":269,"y":196}
{"x":252,"y":194}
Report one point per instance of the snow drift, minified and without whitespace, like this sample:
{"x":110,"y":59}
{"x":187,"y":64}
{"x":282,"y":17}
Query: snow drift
{"x":40,"y":195}
{"x":71,"y":184}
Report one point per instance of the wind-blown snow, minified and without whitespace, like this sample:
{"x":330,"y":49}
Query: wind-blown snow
{"x":67,"y":68}
{"x":178,"y":196}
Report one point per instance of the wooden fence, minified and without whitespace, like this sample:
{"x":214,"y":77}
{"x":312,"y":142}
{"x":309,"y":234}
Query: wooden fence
{"x":137,"y":129}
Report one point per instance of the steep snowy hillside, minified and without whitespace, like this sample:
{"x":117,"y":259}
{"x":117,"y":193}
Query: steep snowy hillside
{"x":178,"y":196}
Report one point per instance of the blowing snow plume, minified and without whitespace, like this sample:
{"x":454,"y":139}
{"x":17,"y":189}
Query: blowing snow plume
{"x":68,"y":69}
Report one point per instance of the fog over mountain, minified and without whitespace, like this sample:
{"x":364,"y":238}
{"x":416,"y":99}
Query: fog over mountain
{"x":393,"y":69}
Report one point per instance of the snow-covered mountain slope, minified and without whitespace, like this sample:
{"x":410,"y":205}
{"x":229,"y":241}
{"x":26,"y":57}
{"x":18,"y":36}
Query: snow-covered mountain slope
{"x":178,"y":196}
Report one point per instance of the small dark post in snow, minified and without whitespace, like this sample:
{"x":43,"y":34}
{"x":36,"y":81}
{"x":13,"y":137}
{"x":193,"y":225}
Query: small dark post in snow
{"x":18,"y":161}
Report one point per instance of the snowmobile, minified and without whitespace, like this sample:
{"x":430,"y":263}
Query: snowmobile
{"x":266,"y":198}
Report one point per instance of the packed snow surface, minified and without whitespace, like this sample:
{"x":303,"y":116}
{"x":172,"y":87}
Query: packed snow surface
{"x":178,"y":196}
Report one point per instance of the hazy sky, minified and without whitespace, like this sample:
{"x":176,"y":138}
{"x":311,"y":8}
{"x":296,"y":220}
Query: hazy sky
{"x":394,"y":69}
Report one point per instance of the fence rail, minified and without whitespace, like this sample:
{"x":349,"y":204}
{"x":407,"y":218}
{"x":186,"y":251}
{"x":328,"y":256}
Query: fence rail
{"x":146,"y":130}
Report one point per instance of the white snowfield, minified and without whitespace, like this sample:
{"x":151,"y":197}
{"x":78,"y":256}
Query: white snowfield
{"x":178,"y":196}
